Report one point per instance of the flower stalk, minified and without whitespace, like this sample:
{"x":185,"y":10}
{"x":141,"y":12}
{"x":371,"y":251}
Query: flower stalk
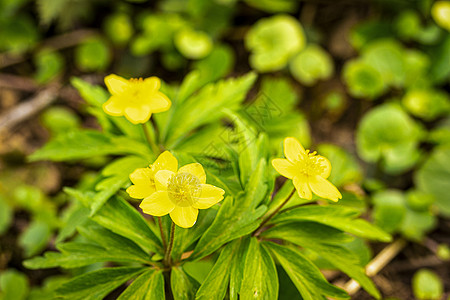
{"x":260,"y":229}
{"x":168,"y":255}
{"x":153,"y":146}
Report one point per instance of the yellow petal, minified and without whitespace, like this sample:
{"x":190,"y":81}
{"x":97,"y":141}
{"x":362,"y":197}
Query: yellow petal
{"x":113,"y":107}
{"x":116,"y":84}
{"x":142,"y":176}
{"x":162,"y":179}
{"x":292,"y":148}
{"x":138,"y":115}
{"x":301,"y":185}
{"x":194,"y":169}
{"x":325,"y":164}
{"x":157,"y":204}
{"x":165,"y":161}
{"x":184,"y":216}
{"x":159,"y":102}
{"x":284,"y":167}
{"x":323,"y":188}
{"x":140,"y":191}
{"x":209,"y":196}
{"x":152,"y":83}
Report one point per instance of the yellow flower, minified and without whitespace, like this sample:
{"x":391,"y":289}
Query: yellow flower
{"x":136,"y":99}
{"x":169,"y":190}
{"x":308,"y":171}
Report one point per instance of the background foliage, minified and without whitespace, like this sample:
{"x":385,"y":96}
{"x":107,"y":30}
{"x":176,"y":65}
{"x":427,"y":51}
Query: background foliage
{"x":364,"y":83}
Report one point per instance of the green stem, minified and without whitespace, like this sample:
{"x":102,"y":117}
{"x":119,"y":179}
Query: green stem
{"x":168,"y":255}
{"x":163,"y":236}
{"x":260,"y":229}
{"x":149,"y":140}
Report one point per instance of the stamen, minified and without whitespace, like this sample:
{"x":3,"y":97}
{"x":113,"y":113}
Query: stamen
{"x":184,"y":189}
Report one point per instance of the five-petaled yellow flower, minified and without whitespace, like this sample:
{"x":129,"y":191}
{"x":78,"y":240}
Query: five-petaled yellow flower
{"x":169,"y":190}
{"x":136,"y":99}
{"x":308,"y":171}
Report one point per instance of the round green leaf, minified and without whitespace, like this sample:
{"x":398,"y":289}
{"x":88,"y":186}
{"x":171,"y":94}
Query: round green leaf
{"x":388,"y":133}
{"x":93,"y":55}
{"x":273,"y":41}
{"x":311,"y":64}
{"x":441,"y":14}
{"x":193,"y":44}
{"x":363,"y":80}
{"x":427,"y":285}
{"x":119,"y":28}
{"x":427,"y":104}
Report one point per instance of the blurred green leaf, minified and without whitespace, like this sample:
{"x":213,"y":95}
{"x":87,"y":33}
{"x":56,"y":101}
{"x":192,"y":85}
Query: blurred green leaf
{"x":35,"y":238}
{"x":427,"y":285}
{"x":432,"y":177}
{"x":389,"y":209}
{"x":59,"y":119}
{"x":362,"y":79}
{"x":49,"y":64}
{"x":92,"y":55}
{"x":13,"y":285}
{"x":119,"y":28}
{"x":193,"y":44}
{"x":311,"y":64}
{"x":273,"y":41}
{"x":6,"y":215}
{"x":387,"y":132}
{"x":427,"y":104}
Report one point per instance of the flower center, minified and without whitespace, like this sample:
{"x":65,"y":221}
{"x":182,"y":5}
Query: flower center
{"x":134,"y":90}
{"x":310,"y":164}
{"x":184,"y":189}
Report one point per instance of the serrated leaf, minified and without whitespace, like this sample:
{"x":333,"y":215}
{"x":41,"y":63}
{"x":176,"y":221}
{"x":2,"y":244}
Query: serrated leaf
{"x":116,"y":174}
{"x":237,"y":267}
{"x":120,"y":217}
{"x":215,"y":284}
{"x":113,"y":243}
{"x":336,"y":255}
{"x":260,"y":275}
{"x":81,"y":144}
{"x":304,"y":274}
{"x":199,"y":109}
{"x":236,"y":217}
{"x":342,"y":218}
{"x":183,"y":286}
{"x":97,"y":284}
{"x":148,"y":286}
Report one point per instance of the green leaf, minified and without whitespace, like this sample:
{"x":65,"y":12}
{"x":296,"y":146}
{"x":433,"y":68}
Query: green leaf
{"x":6,"y":215}
{"x":117,"y":174}
{"x":297,"y":232}
{"x":114,"y":244}
{"x":215,"y":284}
{"x":432,"y":177}
{"x":81,"y":144}
{"x":35,"y":237}
{"x":49,"y":64}
{"x":342,"y":218}
{"x":336,"y":255}
{"x":236,"y":217}
{"x":427,"y":285}
{"x":388,"y":133}
{"x":389,"y":209}
{"x":304,"y":274}
{"x":13,"y":285}
{"x":92,"y":55}
{"x":183,"y":286}
{"x":148,"y":286}
{"x":260,"y":279}
{"x":199,"y":109}
{"x":121,"y":218}
{"x":185,"y":237}
{"x":93,"y":94}
{"x":237,"y":267}
{"x":97,"y":284}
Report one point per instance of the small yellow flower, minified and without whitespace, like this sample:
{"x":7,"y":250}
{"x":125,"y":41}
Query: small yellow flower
{"x":308,"y":171}
{"x":169,"y":190}
{"x":136,"y":99}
